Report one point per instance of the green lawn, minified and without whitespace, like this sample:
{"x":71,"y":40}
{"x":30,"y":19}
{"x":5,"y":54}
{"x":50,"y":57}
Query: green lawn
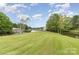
{"x":38,"y":43}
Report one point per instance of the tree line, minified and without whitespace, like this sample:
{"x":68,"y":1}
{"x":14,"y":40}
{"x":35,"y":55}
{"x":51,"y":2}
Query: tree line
{"x":56,"y":23}
{"x":62,"y":23}
{"x":6,"y":25}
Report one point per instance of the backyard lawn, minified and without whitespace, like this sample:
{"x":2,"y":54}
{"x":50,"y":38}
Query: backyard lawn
{"x":38,"y":43}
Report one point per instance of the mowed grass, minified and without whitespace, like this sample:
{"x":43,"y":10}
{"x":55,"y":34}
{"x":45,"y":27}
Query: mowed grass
{"x":38,"y":43}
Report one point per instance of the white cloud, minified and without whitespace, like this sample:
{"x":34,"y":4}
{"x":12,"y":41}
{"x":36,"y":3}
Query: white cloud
{"x":11,"y":8}
{"x":6,"y":8}
{"x":62,"y":8}
{"x":20,"y":5}
{"x":23,"y":18}
{"x":37,"y":16}
{"x":70,"y":13}
{"x":2,"y":4}
{"x":51,"y":4}
{"x":14,"y":7}
{"x":66,"y":5}
{"x":49,"y":15}
{"x":49,"y":10}
{"x":33,"y":4}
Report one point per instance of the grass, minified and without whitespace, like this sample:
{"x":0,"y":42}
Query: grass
{"x":41,"y":43}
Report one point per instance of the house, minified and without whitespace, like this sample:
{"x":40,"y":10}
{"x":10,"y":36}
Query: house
{"x":17,"y":30}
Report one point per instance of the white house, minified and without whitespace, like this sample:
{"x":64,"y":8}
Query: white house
{"x":17,"y":30}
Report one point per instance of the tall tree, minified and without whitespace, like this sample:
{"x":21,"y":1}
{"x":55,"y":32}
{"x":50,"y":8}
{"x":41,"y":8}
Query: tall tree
{"x":23,"y":20}
{"x":64,"y":23}
{"x":52,"y":23}
{"x":5,"y":24}
{"x":75,"y":21}
{"x":58,"y":23}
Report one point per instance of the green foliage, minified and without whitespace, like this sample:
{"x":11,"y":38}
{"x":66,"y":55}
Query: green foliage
{"x":52,"y":23}
{"x":23,"y":27}
{"x":60,"y":23}
{"x":27,"y":29}
{"x":75,"y":21}
{"x":16,"y":25}
{"x":67,"y":24}
{"x":64,"y":23}
{"x":5,"y":24}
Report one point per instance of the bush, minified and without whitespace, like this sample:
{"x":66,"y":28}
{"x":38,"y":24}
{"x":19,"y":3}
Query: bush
{"x":28,"y":30}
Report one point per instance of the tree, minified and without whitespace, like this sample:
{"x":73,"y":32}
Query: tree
{"x":52,"y":23}
{"x":75,"y":21}
{"x":58,"y":23}
{"x":5,"y":24}
{"x":61,"y":24}
{"x":23,"y":20}
{"x":27,"y":29}
{"x":16,"y":25}
{"x":75,"y":25}
{"x":64,"y":23}
{"x":68,"y":24}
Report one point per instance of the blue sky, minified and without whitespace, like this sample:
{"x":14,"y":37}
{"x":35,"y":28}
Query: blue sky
{"x":38,"y":13}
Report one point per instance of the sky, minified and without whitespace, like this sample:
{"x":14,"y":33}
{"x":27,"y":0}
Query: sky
{"x":37,"y":13}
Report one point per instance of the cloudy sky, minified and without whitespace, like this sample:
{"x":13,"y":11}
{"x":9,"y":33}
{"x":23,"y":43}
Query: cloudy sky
{"x":38,"y":13}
